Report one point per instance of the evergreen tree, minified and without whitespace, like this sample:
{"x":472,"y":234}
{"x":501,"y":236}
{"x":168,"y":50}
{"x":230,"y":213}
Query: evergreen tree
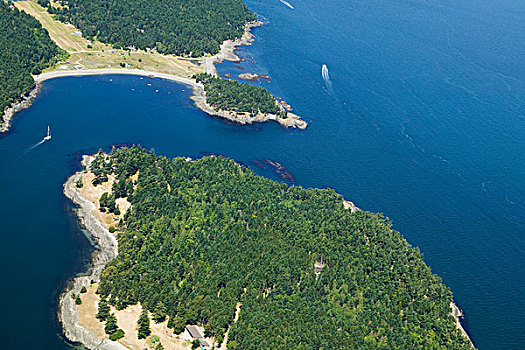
{"x":103,"y":310}
{"x":119,"y":188}
{"x":103,"y":201}
{"x":111,"y":324}
{"x":159,"y":313}
{"x":143,"y":323}
{"x":178,"y":323}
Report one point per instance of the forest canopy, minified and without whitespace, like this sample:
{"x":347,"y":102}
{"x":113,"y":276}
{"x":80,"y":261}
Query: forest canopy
{"x":204,"y":236}
{"x":234,"y":96}
{"x":171,"y":26}
{"x":25,"y":49}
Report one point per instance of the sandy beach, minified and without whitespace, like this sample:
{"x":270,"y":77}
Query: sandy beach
{"x":124,"y":71}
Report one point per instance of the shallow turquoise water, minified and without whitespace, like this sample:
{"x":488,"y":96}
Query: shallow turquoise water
{"x":424,"y":121}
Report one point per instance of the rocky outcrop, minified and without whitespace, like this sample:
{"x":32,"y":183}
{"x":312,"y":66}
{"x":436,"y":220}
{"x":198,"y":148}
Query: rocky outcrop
{"x":457,"y":314}
{"x":26,"y":102}
{"x":350,"y":205}
{"x":228,"y":48}
{"x":105,"y":251}
{"x":249,"y":76}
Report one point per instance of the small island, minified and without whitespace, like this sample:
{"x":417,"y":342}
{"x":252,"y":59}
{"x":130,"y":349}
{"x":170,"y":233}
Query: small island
{"x":211,"y":254}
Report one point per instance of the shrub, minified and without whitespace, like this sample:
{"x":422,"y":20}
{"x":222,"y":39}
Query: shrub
{"x":119,"y":333}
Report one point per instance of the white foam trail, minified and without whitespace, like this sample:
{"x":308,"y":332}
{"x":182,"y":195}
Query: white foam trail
{"x":326,"y":78}
{"x":287,"y":4}
{"x":34,"y":146}
{"x":46,"y":138}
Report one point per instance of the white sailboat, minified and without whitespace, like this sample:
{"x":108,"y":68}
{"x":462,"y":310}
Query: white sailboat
{"x":48,"y":136}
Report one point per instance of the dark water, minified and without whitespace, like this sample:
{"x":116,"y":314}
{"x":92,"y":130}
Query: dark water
{"x":424,"y":120}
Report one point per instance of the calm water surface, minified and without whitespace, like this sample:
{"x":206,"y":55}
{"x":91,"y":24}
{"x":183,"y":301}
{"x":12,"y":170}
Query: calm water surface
{"x":423,"y":119}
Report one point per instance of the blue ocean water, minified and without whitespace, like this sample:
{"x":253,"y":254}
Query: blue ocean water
{"x":423,"y":119}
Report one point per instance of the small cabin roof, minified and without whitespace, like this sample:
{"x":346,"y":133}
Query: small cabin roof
{"x":194,"y":332}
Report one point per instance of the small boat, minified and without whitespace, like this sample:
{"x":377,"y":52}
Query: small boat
{"x":48,"y":136}
{"x":287,"y":4}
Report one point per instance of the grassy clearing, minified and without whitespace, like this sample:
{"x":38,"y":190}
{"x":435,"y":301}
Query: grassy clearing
{"x":97,"y":55}
{"x":59,"y":32}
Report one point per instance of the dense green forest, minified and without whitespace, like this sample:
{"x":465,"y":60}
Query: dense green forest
{"x":231,"y":95}
{"x":205,"y":235}
{"x":25,"y":49}
{"x":170,"y":26}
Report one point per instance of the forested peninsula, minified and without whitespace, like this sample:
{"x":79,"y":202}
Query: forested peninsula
{"x":233,"y":96}
{"x":26,"y":49}
{"x":256,"y":263}
{"x":242,"y":102}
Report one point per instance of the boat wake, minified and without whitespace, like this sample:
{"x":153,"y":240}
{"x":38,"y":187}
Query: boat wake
{"x":326,"y":78}
{"x":34,"y":146}
{"x":287,"y":4}
{"x":46,"y":138}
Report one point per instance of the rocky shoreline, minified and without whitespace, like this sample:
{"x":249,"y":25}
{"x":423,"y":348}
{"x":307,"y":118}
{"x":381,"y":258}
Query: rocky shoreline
{"x":457,"y":314}
{"x":228,"y":53}
{"x":105,"y":250}
{"x":26,"y":102}
{"x":229,"y":46}
{"x":199,"y":97}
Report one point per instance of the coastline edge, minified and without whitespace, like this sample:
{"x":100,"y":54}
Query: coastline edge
{"x":105,"y":245}
{"x":227,"y":52}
